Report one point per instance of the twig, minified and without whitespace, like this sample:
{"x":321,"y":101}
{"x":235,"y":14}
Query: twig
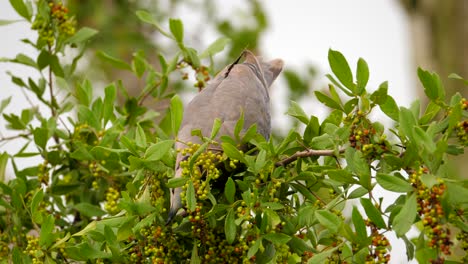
{"x":307,"y":153}
{"x":15,"y":137}
{"x":148,"y":93}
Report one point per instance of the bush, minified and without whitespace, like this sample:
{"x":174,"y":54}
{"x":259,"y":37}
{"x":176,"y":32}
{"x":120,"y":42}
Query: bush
{"x":101,"y":193}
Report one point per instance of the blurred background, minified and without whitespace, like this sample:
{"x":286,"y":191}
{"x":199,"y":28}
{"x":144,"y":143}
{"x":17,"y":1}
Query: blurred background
{"x":393,"y":36}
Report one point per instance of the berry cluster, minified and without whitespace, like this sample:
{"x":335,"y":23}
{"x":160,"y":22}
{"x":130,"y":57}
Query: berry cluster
{"x":379,"y":246}
{"x":364,"y":136}
{"x":462,"y":237}
{"x":202,"y":76}
{"x":43,"y":172}
{"x":33,"y":249}
{"x":432,"y":214}
{"x":111,"y":205}
{"x":203,"y":172}
{"x":156,"y":191}
{"x":56,"y":25}
{"x":462,"y":132}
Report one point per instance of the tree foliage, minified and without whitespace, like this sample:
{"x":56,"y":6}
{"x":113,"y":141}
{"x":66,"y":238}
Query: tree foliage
{"x":101,"y":193}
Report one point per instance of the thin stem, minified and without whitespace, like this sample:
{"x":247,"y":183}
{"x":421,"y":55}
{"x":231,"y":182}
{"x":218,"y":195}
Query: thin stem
{"x":307,"y":153}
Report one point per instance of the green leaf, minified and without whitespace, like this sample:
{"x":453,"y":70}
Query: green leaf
{"x":46,"y":236}
{"x":81,"y":154}
{"x":41,"y":136}
{"x":407,"y":123}
{"x":362,"y":76}
{"x":3,"y":163}
{"x":328,"y":101}
{"x":195,"y":259}
{"x":158,"y":150}
{"x":5,"y":102}
{"x":239,"y":126}
{"x":379,"y":97}
{"x":393,"y":183}
{"x":254,"y":248}
{"x":230,"y":190}
{"x":230,"y":226}
{"x":4,"y":22}
{"x":109,"y":101}
{"x":329,"y":220}
{"x":390,"y":108}
{"x":321,"y":257}
{"x":373,"y":213}
{"x":177,"y":29}
{"x":89,"y":210}
{"x":36,"y":200}
{"x":177,"y":113}
{"x":216,"y":126}
{"x":296,"y":111}
{"x":82,"y":35}
{"x":405,"y":218}
{"x":191,"y":57}
{"x":424,"y":139}
{"x":85,"y":116}
{"x":232,"y":152}
{"x":431,"y":111}
{"x":21,"y":8}
{"x":176,"y":182}
{"x":358,"y":164}
{"x":140,"y":136}
{"x":458,"y":77}
{"x":190,"y":197}
{"x":117,"y":63}
{"x":215,"y":47}
{"x":342,"y":176}
{"x":432,"y":85}
{"x":25,"y":60}
{"x":359,"y":225}
{"x":277,"y":238}
{"x":340,"y":68}
{"x":148,"y":18}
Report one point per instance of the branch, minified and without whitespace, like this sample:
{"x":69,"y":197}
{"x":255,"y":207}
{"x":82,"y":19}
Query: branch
{"x":15,"y":137}
{"x":307,"y":153}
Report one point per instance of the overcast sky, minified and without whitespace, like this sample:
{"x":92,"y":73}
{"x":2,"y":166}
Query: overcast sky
{"x":301,"y":32}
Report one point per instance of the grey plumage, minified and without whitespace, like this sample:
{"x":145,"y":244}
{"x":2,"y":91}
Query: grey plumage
{"x":237,"y":88}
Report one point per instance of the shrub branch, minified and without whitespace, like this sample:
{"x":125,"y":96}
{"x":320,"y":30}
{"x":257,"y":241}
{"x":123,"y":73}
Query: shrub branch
{"x":307,"y":153}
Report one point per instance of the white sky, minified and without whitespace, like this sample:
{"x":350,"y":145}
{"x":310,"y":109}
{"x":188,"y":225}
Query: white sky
{"x":300,"y":32}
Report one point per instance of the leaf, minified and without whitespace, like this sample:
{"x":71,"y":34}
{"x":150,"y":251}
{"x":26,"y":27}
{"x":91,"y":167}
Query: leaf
{"x":277,"y":238}
{"x":25,"y":60}
{"x":232,"y":152}
{"x":190,"y":197}
{"x":230,"y":226}
{"x":176,"y":182}
{"x":327,"y":101}
{"x":230,"y":190}
{"x":362,"y":76}
{"x":36,"y":200}
{"x":140,"y":136}
{"x":342,"y":176}
{"x":321,"y":257}
{"x":5,"y":102}
{"x":359,"y":225}
{"x":41,"y":136}
{"x":46,"y":236}
{"x":158,"y":150}
{"x":3,"y":163}
{"x":329,"y":220}
{"x":254,"y":248}
{"x":21,"y":8}
{"x":390,"y":108}
{"x":177,"y":113}
{"x":405,"y":218}
{"x":296,"y":111}
{"x":4,"y":22}
{"x":109,"y":100}
{"x":216,"y":126}
{"x":432,"y":84}
{"x":85,"y":116}
{"x":373,"y":213}
{"x":239,"y":125}
{"x":215,"y":47}
{"x":379,"y":96}
{"x":89,"y":210}
{"x":340,"y":68}
{"x":359,"y":165}
{"x":423,"y":139}
{"x":393,"y":183}
{"x":148,"y":18}
{"x":82,"y":35}
{"x":177,"y":29}
{"x":117,"y":63}
{"x":407,"y":123}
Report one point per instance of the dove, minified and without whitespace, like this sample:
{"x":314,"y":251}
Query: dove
{"x":238,"y":88}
